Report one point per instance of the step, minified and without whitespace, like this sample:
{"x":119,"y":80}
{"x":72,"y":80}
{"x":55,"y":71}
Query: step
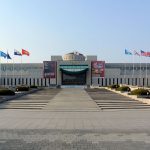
{"x":125,"y":108}
{"x":122,"y":104}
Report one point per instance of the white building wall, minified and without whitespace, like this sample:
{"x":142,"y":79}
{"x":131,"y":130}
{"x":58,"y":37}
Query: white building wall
{"x":113,"y":72}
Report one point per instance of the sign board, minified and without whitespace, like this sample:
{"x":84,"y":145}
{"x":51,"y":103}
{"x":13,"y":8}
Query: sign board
{"x":98,"y":68}
{"x":49,"y":69}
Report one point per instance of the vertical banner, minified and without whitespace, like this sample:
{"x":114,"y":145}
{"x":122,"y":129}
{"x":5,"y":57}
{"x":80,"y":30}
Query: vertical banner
{"x":49,"y":69}
{"x":98,"y":69}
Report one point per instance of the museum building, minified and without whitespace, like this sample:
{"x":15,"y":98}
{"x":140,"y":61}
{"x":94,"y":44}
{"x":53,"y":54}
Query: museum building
{"x":75,"y":69}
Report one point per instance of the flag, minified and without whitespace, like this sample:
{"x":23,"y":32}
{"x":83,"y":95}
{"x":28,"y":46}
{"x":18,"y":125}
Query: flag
{"x":2,"y":54}
{"x":127,"y":52}
{"x":8,"y":56}
{"x":25,"y":52}
{"x":143,"y":53}
{"x":136,"y":53}
{"x":17,"y":53}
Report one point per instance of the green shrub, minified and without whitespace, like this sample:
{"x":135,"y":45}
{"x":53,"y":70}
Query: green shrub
{"x":114,"y":86}
{"x":22,"y":88}
{"x":33,"y":86}
{"x":124,"y":89}
{"x":139,"y":92}
{"x":5,"y":91}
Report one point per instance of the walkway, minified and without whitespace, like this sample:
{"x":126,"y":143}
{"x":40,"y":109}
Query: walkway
{"x":72,"y":99}
{"x":69,"y":119}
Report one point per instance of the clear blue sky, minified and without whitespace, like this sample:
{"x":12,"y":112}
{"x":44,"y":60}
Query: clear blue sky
{"x":55,"y":27}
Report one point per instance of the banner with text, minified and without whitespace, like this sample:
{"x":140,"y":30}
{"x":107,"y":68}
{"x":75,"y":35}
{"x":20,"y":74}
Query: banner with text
{"x":98,"y":68}
{"x":49,"y":69}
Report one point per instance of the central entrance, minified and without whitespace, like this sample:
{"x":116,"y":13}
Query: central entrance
{"x":73,"y":79}
{"x":73,"y":74}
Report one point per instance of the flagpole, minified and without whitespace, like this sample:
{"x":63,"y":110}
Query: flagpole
{"x":133,"y":69}
{"x":21,"y":70}
{"x":146,"y":71}
{"x":6,"y":71}
{"x":140,"y":73}
{"x":0,"y":72}
{"x":125,"y":73}
{"x":13,"y":72}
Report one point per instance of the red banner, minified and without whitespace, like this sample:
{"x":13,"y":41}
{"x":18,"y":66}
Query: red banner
{"x":49,"y":69}
{"x":98,"y":68}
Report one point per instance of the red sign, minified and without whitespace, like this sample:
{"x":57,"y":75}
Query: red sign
{"x":98,"y":68}
{"x":49,"y":69}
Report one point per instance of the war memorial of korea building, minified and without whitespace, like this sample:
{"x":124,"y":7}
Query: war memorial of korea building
{"x":75,"y":69}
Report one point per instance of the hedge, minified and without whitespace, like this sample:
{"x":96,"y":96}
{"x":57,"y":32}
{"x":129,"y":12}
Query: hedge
{"x":22,"y":88}
{"x":140,"y":92}
{"x":123,"y":89}
{"x":33,"y":86}
{"x":6,"y":92}
{"x":114,"y":86}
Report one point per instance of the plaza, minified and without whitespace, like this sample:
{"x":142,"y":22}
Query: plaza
{"x":74,"y":118}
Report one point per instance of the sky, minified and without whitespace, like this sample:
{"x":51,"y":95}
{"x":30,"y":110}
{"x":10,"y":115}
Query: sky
{"x":92,"y":27}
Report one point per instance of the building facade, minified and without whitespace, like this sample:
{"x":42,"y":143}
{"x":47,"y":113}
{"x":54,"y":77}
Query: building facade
{"x":75,"y":69}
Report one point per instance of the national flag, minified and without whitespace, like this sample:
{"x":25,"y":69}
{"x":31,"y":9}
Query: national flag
{"x":16,"y":52}
{"x":25,"y":52}
{"x":128,"y":52}
{"x":143,"y":53}
{"x":8,"y":56}
{"x":136,"y":53}
{"x":2,"y":54}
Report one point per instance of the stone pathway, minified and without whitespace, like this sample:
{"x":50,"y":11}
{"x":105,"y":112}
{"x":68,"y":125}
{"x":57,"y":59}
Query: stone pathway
{"x":72,"y":99}
{"x":71,"y":120}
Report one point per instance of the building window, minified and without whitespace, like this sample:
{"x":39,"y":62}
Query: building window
{"x":15,"y":81}
{"x":41,"y":82}
{"x":45,"y":81}
{"x":128,"y":81}
{"x":106,"y":82}
{"x":19,"y":81}
{"x":121,"y":80}
{"x":98,"y":81}
{"x":11,"y":81}
{"x":132,"y":81}
{"x":4,"y":81}
{"x":117,"y":80}
{"x":135,"y":81}
{"x":49,"y":81}
{"x":113,"y":81}
{"x":38,"y":82}
{"x":102,"y":81}
{"x":34,"y":81}
{"x":7,"y":81}
{"x":22,"y":80}
{"x":27,"y":81}
{"x":30,"y":81}
{"x":109,"y":81}
{"x":143,"y":81}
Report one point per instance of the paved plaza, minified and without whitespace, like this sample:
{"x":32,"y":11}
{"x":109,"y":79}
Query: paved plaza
{"x":74,"y":119}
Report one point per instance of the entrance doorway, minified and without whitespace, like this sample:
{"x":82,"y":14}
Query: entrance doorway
{"x":73,"y":79}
